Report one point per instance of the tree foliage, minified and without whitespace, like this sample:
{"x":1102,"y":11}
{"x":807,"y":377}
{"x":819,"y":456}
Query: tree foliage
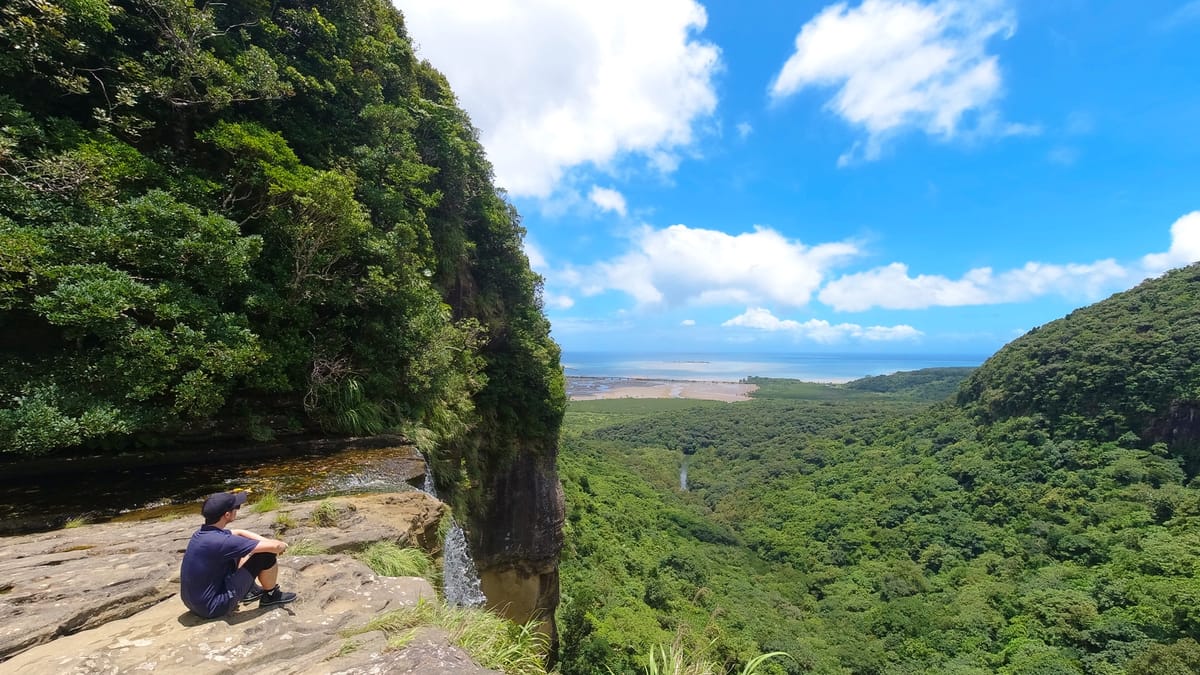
{"x":265,"y":217}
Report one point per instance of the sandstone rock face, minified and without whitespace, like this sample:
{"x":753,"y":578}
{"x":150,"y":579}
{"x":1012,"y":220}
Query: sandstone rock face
{"x":104,"y":599}
{"x":517,"y":542}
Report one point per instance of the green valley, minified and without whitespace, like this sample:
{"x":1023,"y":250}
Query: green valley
{"x":876,"y":532}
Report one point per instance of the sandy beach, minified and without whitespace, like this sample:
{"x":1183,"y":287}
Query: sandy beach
{"x":594,"y":388}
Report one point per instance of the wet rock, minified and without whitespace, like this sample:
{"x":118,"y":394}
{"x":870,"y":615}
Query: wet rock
{"x":517,"y":541}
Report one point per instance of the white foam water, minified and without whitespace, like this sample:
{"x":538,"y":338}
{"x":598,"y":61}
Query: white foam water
{"x":460,"y":579}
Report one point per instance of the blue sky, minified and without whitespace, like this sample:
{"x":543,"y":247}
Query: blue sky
{"x":883,"y":176}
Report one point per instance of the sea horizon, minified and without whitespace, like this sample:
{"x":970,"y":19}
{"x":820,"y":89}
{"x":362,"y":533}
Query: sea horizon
{"x":736,"y":366}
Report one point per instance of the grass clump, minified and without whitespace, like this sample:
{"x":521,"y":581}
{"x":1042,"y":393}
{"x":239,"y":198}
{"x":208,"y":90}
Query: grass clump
{"x":348,"y":647}
{"x":77,"y":521}
{"x":284,"y":521}
{"x":325,"y":515}
{"x":492,"y":641}
{"x":268,"y":502}
{"x":391,"y":560}
{"x":306,"y":547}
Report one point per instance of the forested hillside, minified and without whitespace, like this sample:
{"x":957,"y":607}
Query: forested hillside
{"x":883,"y":534}
{"x":1128,"y":365}
{"x":252,"y":219}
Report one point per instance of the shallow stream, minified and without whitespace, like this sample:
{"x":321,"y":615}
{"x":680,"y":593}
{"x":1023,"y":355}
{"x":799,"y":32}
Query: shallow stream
{"x":32,"y":503}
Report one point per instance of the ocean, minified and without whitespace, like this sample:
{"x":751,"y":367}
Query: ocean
{"x":731,"y":367}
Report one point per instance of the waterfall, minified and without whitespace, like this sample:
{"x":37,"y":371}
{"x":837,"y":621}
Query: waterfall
{"x":460,"y":579}
{"x":683,"y":474}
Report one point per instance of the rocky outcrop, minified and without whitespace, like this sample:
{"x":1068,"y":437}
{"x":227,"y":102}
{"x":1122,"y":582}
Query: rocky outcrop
{"x":1179,"y":428}
{"x":104,"y":599}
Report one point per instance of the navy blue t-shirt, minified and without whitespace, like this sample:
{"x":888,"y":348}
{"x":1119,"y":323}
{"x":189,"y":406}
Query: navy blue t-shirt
{"x":209,"y":562}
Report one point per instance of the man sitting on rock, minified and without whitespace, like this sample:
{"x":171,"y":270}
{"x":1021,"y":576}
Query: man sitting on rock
{"x":220,"y":565}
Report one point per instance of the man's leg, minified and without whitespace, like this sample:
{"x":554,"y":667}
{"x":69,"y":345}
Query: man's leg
{"x":268,"y":577}
{"x":249,"y":568}
{"x":266,"y":568}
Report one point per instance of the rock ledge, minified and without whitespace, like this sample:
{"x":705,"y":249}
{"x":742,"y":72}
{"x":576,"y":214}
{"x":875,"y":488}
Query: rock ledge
{"x":104,"y":599}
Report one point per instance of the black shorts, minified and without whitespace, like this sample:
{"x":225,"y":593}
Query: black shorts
{"x":243,"y":579}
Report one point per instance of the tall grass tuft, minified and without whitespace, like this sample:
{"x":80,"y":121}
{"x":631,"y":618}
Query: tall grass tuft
{"x":325,"y":515}
{"x":391,"y":560}
{"x":675,"y":660}
{"x":268,"y":502}
{"x":77,"y":521}
{"x":306,"y":547}
{"x":492,"y":641}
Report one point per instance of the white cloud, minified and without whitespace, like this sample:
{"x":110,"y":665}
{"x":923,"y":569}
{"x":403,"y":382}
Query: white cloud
{"x":901,"y":64}
{"x":537,"y":261}
{"x":688,"y":322}
{"x":552,"y":85}
{"x":744,"y":129}
{"x":891,"y":287}
{"x":1063,"y":155}
{"x":559,"y":301}
{"x":607,"y":199}
{"x":819,"y":330}
{"x":679,"y":265}
{"x":1185,"y":246}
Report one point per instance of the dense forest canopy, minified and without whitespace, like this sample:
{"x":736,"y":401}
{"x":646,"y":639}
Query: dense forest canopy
{"x":863,"y":529}
{"x":257,"y":217}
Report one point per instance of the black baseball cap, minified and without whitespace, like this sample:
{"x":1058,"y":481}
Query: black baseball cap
{"x":219,"y":502}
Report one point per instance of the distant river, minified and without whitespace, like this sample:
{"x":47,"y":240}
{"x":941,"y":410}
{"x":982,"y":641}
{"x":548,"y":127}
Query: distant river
{"x":731,"y":367}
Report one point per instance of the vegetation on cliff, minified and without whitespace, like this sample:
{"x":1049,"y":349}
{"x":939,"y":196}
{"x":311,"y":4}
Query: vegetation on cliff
{"x":264,"y":217}
{"x":884,"y":534}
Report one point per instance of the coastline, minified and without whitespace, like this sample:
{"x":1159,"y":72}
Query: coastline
{"x":582,"y":388}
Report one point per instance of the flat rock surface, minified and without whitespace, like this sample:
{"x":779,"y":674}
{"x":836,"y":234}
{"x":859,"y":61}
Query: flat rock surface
{"x":104,"y":598}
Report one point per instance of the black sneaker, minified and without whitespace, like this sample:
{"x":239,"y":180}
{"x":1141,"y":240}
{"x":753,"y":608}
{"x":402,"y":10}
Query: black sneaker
{"x":275,"y":597}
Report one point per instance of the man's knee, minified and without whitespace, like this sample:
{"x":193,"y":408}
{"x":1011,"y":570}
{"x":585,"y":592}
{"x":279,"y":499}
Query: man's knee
{"x":260,"y":562}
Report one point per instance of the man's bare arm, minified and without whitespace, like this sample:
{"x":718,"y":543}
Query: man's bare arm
{"x":264,"y":545}
{"x":269,"y":546}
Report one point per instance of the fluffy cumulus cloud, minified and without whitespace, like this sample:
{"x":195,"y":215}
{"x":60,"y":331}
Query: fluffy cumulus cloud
{"x":819,"y":330}
{"x":679,"y":265}
{"x":607,"y":199}
{"x":899,"y":64}
{"x":892,"y":287}
{"x":553,"y":84}
{"x":1185,"y":246}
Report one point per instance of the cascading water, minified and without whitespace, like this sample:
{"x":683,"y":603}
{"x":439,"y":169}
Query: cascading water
{"x":460,"y":579}
{"x":683,"y":475}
